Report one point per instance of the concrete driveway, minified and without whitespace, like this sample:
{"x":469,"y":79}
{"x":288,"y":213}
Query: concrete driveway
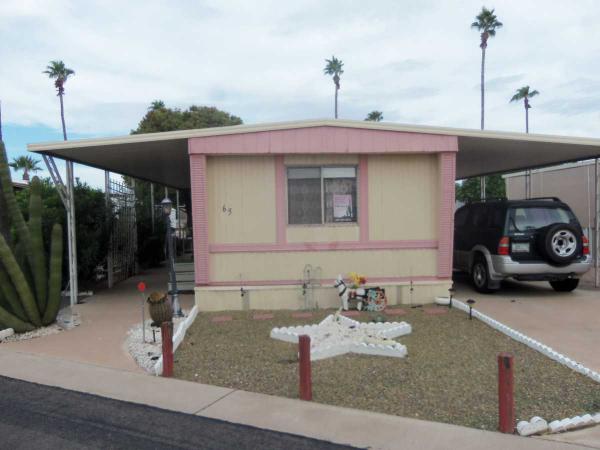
{"x":106,"y":317}
{"x":567,"y":322}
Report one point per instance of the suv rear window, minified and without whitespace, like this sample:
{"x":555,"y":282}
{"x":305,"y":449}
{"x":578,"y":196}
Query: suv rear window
{"x":535,"y":217}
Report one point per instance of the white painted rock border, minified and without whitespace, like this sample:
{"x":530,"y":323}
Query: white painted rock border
{"x":527,"y":427}
{"x":177,"y":337}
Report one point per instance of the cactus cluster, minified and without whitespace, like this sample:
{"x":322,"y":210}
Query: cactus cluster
{"x":29,"y":281}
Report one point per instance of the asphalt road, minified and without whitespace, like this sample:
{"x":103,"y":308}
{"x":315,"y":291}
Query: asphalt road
{"x":34,"y":416}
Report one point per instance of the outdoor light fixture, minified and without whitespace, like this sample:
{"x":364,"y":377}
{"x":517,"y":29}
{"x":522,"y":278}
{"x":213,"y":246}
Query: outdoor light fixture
{"x":471,"y":302}
{"x":450,"y":295}
{"x":167,"y":206}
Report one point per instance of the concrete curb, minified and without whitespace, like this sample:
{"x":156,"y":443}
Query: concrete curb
{"x":330,"y":423}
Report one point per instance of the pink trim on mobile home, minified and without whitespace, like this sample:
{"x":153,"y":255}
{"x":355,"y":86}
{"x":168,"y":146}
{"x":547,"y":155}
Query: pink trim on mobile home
{"x":446,"y":212}
{"x":200,"y":222}
{"x":318,"y":140}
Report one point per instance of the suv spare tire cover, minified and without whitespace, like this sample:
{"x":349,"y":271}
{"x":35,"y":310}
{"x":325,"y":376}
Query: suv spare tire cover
{"x":561,"y":243}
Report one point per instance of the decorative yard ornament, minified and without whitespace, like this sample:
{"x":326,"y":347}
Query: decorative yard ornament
{"x":337,"y":335}
{"x":371,"y":299}
{"x":160,"y":308}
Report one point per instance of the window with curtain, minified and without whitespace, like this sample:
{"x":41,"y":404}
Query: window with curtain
{"x":318,"y":195}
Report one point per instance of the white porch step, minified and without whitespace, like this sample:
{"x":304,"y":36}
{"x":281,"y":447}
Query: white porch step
{"x":185,"y":275}
{"x":184,"y":286}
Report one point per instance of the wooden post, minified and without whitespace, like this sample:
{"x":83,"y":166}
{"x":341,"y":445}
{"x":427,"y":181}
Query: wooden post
{"x":166,"y":332}
{"x":305,"y":370}
{"x":506,"y":401}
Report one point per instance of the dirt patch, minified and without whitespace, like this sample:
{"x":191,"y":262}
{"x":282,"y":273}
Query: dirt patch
{"x":448,"y":376}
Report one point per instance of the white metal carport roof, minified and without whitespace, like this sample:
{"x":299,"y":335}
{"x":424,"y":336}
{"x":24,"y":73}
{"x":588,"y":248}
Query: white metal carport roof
{"x":163,"y":157}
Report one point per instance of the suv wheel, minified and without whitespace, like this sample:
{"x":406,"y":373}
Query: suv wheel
{"x":480,"y":275}
{"x":568,"y":285}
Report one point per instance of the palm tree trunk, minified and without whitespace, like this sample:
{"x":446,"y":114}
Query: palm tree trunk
{"x":528,"y":172}
{"x":62,"y":116}
{"x":482,"y":87}
{"x":336,"y":102}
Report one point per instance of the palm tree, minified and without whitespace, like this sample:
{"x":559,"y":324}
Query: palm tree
{"x":487,"y":23}
{"x":26,"y":164}
{"x":57,"y":71}
{"x":335,"y":67}
{"x":525,"y":94}
{"x":374,"y":116}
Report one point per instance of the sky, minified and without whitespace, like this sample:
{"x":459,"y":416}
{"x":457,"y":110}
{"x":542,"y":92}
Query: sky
{"x":416,"y":61}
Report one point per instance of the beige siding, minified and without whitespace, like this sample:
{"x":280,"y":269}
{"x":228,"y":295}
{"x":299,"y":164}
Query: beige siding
{"x":403,"y":197}
{"x":328,"y":233}
{"x":246,"y":185}
{"x":290,"y":297}
{"x":290,"y":265}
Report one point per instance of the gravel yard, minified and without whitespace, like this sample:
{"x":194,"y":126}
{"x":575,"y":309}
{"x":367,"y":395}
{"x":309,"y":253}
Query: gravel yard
{"x":449,"y":374}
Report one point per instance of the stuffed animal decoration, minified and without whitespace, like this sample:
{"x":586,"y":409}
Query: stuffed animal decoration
{"x":371,"y":299}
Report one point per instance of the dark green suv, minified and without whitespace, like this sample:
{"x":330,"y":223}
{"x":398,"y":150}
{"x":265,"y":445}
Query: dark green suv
{"x":529,"y":240}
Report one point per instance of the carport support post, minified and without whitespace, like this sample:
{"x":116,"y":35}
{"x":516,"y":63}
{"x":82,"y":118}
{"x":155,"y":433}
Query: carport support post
{"x":109,"y":256}
{"x":71,"y":234}
{"x":482,"y":187}
{"x":597,"y":225}
{"x":506,"y":401}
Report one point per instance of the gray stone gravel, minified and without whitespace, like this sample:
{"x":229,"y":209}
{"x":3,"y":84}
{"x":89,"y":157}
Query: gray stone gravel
{"x":146,"y":353}
{"x":39,"y":332}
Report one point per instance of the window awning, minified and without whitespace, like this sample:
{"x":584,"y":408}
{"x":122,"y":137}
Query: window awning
{"x":163,"y":157}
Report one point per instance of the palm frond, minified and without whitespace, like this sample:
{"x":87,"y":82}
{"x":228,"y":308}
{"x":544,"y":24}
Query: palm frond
{"x":487,"y":22}
{"x":334,"y":66}
{"x":58,"y":71}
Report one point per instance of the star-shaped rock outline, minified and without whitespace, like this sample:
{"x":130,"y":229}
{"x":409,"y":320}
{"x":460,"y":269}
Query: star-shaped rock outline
{"x":336,"y":335}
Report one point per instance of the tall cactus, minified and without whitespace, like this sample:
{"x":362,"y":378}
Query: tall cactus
{"x":11,"y":321}
{"x":18,"y":221}
{"x":10,"y":295}
{"x":20,"y":283}
{"x":38,"y":266}
{"x":55,"y":275}
{"x":29,"y":285}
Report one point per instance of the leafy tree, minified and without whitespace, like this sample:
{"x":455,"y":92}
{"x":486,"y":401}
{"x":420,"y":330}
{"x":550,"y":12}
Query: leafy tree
{"x":26,"y":164}
{"x":487,"y":23}
{"x":470,"y":189}
{"x":57,"y":71}
{"x":160,"y":118}
{"x":525,"y":94}
{"x":374,"y":116}
{"x":334,"y":67}
{"x":91,"y":219}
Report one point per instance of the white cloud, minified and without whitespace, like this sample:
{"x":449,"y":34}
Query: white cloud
{"x":415,"y":61}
